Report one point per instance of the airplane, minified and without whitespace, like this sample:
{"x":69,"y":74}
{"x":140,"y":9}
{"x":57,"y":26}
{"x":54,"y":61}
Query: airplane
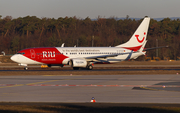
{"x":86,"y":57}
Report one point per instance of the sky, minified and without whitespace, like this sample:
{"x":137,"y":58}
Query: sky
{"x":90,"y":8}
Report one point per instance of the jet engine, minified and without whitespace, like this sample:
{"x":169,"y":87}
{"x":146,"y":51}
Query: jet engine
{"x":78,"y":63}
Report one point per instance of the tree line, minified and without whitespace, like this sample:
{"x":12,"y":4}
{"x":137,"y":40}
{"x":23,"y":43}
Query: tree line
{"x":31,"y":31}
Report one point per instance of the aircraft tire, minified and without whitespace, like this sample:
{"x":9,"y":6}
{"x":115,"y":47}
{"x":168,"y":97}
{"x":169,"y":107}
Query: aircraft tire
{"x":90,"y":67}
{"x":25,"y":68}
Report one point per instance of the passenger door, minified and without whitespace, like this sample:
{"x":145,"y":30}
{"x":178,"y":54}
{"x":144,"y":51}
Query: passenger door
{"x":33,"y":54}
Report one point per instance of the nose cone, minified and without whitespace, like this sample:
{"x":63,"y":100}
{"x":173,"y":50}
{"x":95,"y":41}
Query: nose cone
{"x":14,"y":58}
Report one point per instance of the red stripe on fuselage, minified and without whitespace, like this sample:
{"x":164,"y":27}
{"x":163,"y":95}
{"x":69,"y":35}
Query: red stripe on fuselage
{"x":47,"y":55}
{"x":133,"y":48}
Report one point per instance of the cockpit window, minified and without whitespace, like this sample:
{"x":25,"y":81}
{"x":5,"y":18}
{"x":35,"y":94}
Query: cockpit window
{"x":21,"y":53}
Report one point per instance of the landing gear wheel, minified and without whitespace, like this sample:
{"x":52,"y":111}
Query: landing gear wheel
{"x":90,"y":67}
{"x":25,"y":68}
{"x":76,"y":68}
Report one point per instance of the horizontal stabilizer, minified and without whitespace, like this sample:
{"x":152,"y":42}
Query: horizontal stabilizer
{"x":147,"y":49}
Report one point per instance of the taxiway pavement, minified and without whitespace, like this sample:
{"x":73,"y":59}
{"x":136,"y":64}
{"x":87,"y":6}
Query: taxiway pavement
{"x":81,"y":88}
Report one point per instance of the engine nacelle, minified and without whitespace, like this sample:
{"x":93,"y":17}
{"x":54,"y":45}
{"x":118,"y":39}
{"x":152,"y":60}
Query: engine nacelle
{"x":78,"y":62}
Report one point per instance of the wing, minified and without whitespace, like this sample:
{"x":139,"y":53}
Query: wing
{"x":102,"y":58}
{"x":147,"y":49}
{"x":106,"y":56}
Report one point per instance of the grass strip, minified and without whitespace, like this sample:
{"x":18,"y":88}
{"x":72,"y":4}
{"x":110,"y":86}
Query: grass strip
{"x":88,"y":108}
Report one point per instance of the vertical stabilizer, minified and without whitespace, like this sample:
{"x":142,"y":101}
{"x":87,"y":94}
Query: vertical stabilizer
{"x":139,"y":37}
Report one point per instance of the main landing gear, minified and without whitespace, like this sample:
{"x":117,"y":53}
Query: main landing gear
{"x":89,"y":67}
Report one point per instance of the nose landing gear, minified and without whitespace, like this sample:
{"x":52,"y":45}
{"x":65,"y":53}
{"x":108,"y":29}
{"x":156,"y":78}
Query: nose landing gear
{"x":25,"y":68}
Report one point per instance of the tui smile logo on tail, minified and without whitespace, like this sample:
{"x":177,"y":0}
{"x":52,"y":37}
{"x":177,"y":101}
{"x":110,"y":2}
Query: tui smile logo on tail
{"x":140,"y":41}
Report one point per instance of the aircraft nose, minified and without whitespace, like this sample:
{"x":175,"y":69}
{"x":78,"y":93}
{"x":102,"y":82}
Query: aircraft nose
{"x":14,"y":58}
